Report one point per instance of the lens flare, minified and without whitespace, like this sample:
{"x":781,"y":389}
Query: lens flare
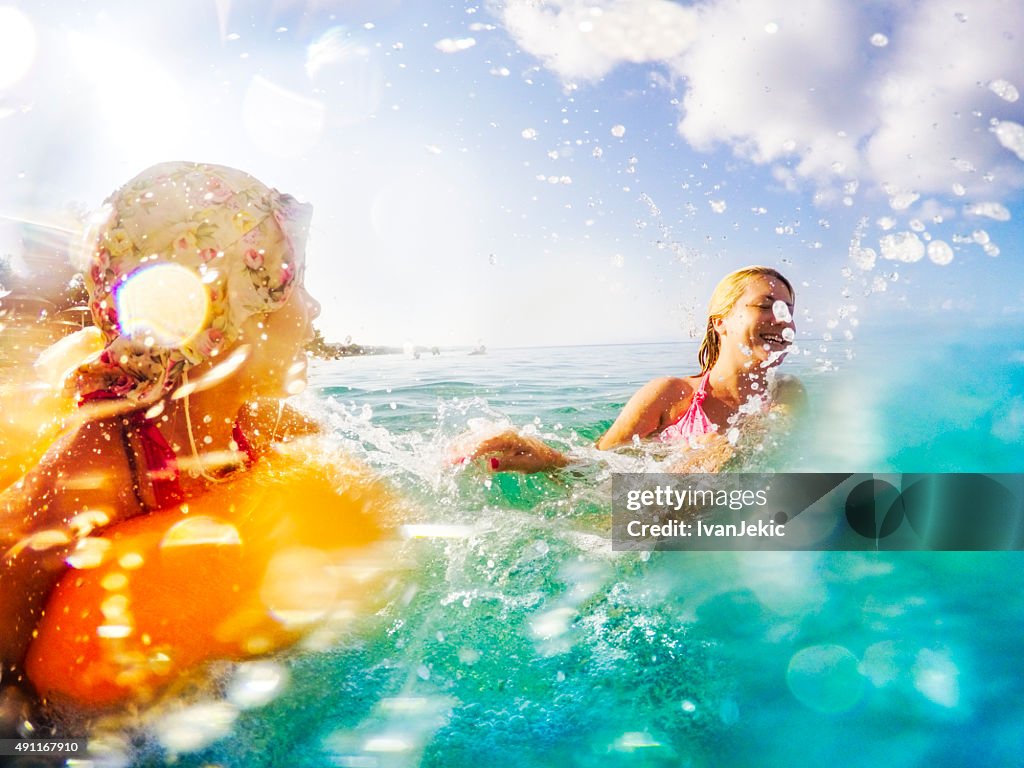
{"x":165,"y":302}
{"x":201,"y":531}
{"x":89,"y":553}
{"x":825,"y":678}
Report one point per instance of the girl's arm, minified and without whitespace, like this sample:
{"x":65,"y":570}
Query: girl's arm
{"x":81,"y":483}
{"x":514,"y":452}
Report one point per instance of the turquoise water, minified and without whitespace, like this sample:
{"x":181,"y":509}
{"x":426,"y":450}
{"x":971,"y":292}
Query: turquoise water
{"x":514,"y":636}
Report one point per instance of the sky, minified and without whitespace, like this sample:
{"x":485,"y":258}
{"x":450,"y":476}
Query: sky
{"x":539,"y":172}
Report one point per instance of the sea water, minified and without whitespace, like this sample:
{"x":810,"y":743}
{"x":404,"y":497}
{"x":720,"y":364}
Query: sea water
{"x":517,"y":637}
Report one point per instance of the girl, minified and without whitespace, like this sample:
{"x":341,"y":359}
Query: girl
{"x":180,"y":518}
{"x":749,"y":330}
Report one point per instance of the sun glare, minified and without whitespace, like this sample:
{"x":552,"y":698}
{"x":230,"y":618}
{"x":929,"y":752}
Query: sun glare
{"x":17,"y":46}
{"x":166,"y":302}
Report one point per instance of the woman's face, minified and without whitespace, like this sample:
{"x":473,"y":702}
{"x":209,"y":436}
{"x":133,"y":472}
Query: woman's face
{"x":760,"y":326}
{"x":276,"y":365}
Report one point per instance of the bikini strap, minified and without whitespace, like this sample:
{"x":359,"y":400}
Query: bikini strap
{"x":133,"y":466}
{"x":702,"y":391}
{"x":243,"y":443}
{"x":161,"y":462}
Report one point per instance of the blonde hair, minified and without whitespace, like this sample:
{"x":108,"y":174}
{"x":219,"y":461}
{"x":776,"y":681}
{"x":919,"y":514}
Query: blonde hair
{"x":723,"y":299}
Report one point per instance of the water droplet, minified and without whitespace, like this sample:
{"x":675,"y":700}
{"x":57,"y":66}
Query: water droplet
{"x":902,"y":246}
{"x":130,"y":561}
{"x":903,"y":200}
{"x":1004,"y":90}
{"x":940,"y":253}
{"x":864,"y":258}
{"x":113,"y":582}
{"x":455,"y":45}
{"x":825,"y":678}
{"x":114,"y":607}
{"x":1011,"y":136}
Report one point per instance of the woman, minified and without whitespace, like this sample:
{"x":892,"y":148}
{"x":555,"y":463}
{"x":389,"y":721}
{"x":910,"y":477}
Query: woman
{"x":166,"y":527}
{"x":750,"y":328}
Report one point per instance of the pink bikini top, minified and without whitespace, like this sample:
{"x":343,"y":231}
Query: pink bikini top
{"x":694,"y":422}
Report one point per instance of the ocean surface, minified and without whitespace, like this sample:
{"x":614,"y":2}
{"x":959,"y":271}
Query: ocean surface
{"x":517,"y":637}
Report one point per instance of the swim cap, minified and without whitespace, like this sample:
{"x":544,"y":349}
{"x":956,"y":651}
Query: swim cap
{"x":210,"y":242}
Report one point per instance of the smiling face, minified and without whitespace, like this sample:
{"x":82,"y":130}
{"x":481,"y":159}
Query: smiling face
{"x":759,"y":328}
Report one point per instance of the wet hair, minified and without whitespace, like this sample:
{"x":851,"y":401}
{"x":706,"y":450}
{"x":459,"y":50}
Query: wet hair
{"x":723,"y":299}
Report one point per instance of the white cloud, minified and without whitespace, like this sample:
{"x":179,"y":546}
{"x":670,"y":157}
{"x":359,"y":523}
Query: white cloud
{"x":586,"y":39}
{"x":802,"y":86}
{"x":934,"y":106}
{"x":777,"y":95}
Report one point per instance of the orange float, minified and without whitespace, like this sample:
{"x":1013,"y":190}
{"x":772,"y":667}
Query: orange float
{"x":240,"y":571}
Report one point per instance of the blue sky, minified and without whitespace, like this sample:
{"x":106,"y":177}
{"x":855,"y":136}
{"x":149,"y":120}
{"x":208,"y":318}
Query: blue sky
{"x":557,"y":171}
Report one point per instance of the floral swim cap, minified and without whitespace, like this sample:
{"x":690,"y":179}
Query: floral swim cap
{"x":242,"y":241}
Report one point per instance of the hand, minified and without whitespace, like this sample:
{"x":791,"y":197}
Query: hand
{"x":510,"y":451}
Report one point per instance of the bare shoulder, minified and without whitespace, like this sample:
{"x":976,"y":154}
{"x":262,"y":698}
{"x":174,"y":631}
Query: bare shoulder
{"x":646,"y":410}
{"x":660,"y":396}
{"x":790,"y":391}
{"x":667,"y":389}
